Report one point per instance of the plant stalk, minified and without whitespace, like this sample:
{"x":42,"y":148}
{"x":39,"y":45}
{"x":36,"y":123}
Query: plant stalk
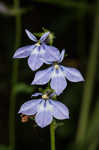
{"x":52,"y":135}
{"x":14,"y":82}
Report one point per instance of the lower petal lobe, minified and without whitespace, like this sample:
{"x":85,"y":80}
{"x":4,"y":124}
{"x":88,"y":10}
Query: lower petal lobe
{"x":30,"y":107}
{"x":42,"y":77}
{"x":51,"y":53}
{"x":58,"y":81}
{"x":60,"y":111}
{"x":43,"y":118}
{"x":34,"y":62}
{"x":72,"y":74}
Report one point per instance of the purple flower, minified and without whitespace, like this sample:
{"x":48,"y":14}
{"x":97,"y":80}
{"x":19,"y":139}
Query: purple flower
{"x":58,"y":75}
{"x":36,"y":51}
{"x":44,"y":110}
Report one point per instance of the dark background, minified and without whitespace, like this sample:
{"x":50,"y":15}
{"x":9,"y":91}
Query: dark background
{"x":72,"y":22}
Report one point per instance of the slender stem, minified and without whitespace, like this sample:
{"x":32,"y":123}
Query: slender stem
{"x":14,"y":81}
{"x":52,"y":126}
{"x":89,"y":83}
{"x":52,"y":135}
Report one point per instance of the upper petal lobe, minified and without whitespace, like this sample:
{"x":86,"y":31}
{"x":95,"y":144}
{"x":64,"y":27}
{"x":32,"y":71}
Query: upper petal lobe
{"x":61,"y":56}
{"x":31,"y":36}
{"x":36,"y":94}
{"x":44,"y":36}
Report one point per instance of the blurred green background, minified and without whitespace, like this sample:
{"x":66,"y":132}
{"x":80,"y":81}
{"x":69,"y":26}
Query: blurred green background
{"x":75,"y":24}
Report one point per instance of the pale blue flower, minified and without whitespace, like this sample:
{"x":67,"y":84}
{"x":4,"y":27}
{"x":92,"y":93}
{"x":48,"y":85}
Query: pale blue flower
{"x":44,"y":110}
{"x":36,"y":51}
{"x":58,"y":75}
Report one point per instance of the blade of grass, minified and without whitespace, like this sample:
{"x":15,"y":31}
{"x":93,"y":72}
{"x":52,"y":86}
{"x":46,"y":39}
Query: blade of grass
{"x":91,"y":70}
{"x":93,"y":129}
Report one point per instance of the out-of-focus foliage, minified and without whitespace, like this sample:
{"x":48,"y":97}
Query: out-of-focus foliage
{"x":72,"y":22}
{"x":22,"y":87}
{"x":3,"y":147}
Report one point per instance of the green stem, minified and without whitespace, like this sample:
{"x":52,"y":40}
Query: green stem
{"x":52,"y":126}
{"x":14,"y":81}
{"x":89,"y":83}
{"x":52,"y":135}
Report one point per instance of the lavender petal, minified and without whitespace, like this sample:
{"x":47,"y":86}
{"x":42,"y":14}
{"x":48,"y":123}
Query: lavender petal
{"x":23,"y":51}
{"x":45,"y":61}
{"x":42,"y":77}
{"x":58,"y":81}
{"x":43,"y":118}
{"x":72,"y":74}
{"x":60,"y":111}
{"x":36,"y":94}
{"x":31,"y":36}
{"x":34,"y":60}
{"x":52,"y":54}
{"x":44,"y":36}
{"x":61,"y":56}
{"x":30,"y":107}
